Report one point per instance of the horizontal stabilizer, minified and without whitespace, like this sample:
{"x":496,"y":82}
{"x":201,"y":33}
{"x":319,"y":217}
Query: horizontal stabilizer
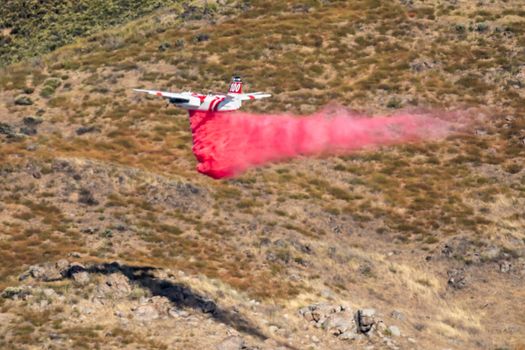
{"x":250,"y":96}
{"x":170,"y":95}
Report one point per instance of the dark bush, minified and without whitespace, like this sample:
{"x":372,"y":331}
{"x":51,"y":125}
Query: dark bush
{"x":23,"y":101}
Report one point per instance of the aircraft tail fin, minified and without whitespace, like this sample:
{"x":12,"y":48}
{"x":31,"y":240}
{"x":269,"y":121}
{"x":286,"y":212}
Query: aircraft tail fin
{"x":235,"y":86}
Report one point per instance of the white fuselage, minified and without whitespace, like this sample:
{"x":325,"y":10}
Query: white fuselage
{"x":207,"y":103}
{"x":194,"y":102}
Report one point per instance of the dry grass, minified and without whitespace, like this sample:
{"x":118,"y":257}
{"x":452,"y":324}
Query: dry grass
{"x":248,"y":232}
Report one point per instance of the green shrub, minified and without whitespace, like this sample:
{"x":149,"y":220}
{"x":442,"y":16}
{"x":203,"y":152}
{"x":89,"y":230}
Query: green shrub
{"x":50,"y":86}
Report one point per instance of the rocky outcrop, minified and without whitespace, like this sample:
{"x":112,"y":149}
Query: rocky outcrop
{"x":15,"y":293}
{"x":47,"y":272}
{"x":348,"y":325}
{"x":152,"y":308}
{"x":126,"y":296}
{"x":113,"y":285}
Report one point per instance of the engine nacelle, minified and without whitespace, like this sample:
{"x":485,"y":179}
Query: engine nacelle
{"x":187,"y":102}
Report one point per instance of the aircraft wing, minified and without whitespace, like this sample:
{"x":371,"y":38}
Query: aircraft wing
{"x":250,"y":96}
{"x":180,"y":98}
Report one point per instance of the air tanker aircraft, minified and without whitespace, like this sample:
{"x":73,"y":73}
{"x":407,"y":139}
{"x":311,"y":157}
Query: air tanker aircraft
{"x":194,"y":102}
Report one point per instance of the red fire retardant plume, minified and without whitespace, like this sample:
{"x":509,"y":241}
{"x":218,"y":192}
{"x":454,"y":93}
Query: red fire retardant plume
{"x":227,"y":144}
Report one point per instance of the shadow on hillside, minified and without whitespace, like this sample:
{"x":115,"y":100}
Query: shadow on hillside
{"x":180,"y":295}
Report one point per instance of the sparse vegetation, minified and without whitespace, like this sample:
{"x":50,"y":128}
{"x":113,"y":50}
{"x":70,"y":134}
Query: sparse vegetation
{"x":109,"y":177}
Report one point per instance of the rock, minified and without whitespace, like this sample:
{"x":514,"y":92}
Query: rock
{"x":491,"y":253}
{"x":447,"y":250}
{"x":394,"y":331}
{"x":307,"y":314}
{"x":32,"y":121}
{"x":81,"y":277}
{"x":390,"y":344}
{"x":281,"y":243}
{"x":349,"y":335}
{"x":421,"y":65}
{"x":121,"y":228}
{"x":314,"y":339}
{"x":231,"y":343}
{"x":380,"y":325}
{"x":505,"y":266}
{"x":15,"y":293}
{"x":87,"y":129}
{"x":32,"y":147}
{"x":46,"y":272}
{"x":202,"y":37}
{"x":521,"y":266}
{"x":114,"y":284}
{"x":28,"y":90}
{"x":365,"y":320}
{"x":49,"y":293}
{"x":273,"y":329}
{"x":85,"y":310}
{"x":152,"y":309}
{"x":23,"y":101}
{"x":481,"y":132}
{"x":334,"y":318}
{"x":24,"y":276}
{"x":368,"y":312}
{"x":481,"y":27}
{"x":321,"y":311}
{"x":460,"y":28}
{"x":7,"y":130}
{"x":90,"y":230}
{"x":146,"y":313}
{"x":208,"y":307}
{"x":86,"y":197}
{"x":176,"y":313}
{"x":340,"y":322}
{"x":457,"y":278}
{"x":55,"y":336}
{"x":119,"y":314}
{"x":62,"y":265}
{"x":164,"y":46}
{"x":28,"y":130}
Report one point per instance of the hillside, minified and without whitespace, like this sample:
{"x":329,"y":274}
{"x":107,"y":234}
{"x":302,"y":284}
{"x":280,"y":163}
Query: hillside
{"x":31,"y":28}
{"x":429,"y":235}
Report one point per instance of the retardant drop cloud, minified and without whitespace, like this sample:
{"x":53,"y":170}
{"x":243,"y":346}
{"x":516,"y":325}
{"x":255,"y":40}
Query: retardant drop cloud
{"x":227,"y":144}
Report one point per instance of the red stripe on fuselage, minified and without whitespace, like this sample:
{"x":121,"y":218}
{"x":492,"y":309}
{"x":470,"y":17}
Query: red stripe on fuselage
{"x":215,"y":103}
{"x":210,"y":106}
{"x":218,"y":103}
{"x":200,"y":97}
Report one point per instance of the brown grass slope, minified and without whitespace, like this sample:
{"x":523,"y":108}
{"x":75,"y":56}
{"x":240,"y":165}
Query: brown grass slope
{"x":378,"y":228}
